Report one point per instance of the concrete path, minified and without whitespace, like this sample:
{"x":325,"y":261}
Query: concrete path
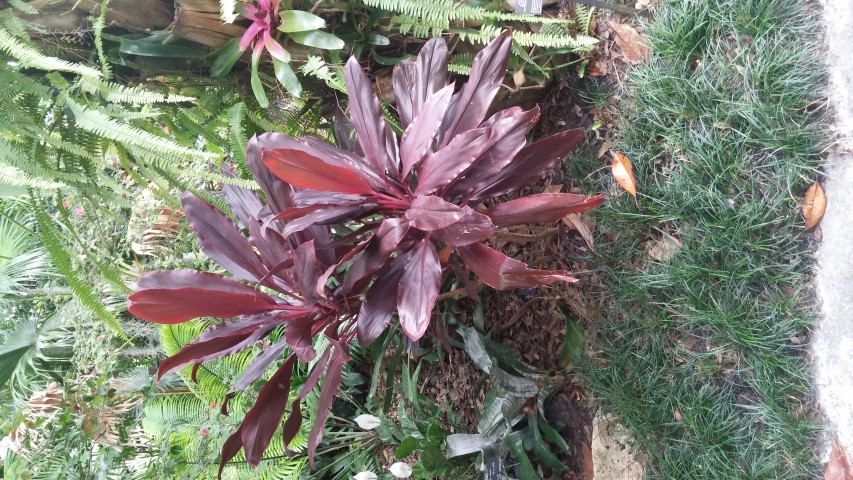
{"x":833,"y":340}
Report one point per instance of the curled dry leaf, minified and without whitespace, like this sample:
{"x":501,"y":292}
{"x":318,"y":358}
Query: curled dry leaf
{"x":840,"y":467}
{"x":623,"y":172}
{"x":574,"y":220}
{"x":634,"y":45}
{"x":814,"y":205}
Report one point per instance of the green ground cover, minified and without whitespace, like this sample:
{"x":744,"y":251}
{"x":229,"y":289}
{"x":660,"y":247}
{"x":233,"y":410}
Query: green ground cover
{"x":702,"y":353}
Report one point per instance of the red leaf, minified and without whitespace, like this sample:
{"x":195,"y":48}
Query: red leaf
{"x":179,"y":295}
{"x":263,"y":418}
{"x":221,"y":240}
{"x":448,"y":163}
{"x":294,"y":419}
{"x":418,"y":289}
{"x":503,"y":273}
{"x":306,"y":270}
{"x":219,"y":344}
{"x":230,"y":449}
{"x":509,"y":129}
{"x":471,"y":228}
{"x":468,"y":108}
{"x":542,"y":208}
{"x":531,"y":163}
{"x":384,"y":242}
{"x":279,"y":195}
{"x":299,"y":335}
{"x":419,"y":136}
{"x":367,"y":119}
{"x":325,"y":216}
{"x":307,"y":171}
{"x":380,"y":302}
{"x":431,"y":213}
{"x":331,"y":385}
{"x":258,"y":366}
{"x":414,"y":82}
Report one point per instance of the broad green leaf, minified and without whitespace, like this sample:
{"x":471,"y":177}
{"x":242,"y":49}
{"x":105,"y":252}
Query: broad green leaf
{"x":572,"y":344}
{"x":257,"y":86}
{"x":228,"y":56}
{"x":149,"y":49}
{"x":299,"y":21}
{"x":287,"y":78}
{"x":318,"y":39}
{"x":407,"y":446}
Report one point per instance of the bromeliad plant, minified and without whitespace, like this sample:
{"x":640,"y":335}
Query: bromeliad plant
{"x":266,"y":22}
{"x":349,"y":235}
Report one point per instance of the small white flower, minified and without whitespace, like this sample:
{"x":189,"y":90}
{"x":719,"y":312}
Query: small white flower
{"x":366,"y":475}
{"x":367,"y":422}
{"x":401,"y":470}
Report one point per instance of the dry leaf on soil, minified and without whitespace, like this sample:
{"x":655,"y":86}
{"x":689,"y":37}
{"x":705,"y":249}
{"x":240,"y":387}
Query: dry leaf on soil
{"x":588,"y":467}
{"x":814,"y":205}
{"x":634,"y":46}
{"x":839,"y":467}
{"x":623,"y":173}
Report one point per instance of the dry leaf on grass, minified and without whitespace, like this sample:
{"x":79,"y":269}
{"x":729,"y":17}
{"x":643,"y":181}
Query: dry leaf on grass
{"x":814,"y":205}
{"x":634,"y":46}
{"x":664,"y":248}
{"x":574,"y":220}
{"x":623,"y":173}
{"x":839,"y":467}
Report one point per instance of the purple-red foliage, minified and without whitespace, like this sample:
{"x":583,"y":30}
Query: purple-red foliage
{"x":398,"y":203}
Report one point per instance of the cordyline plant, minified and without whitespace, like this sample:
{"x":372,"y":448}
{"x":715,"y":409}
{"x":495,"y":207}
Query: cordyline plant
{"x":349,"y":235}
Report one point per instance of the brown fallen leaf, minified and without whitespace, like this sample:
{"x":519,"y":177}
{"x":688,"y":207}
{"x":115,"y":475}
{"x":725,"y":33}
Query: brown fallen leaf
{"x":574,"y":220}
{"x":588,"y":467}
{"x":634,"y":45}
{"x":814,"y":205}
{"x":623,"y":173}
{"x":518,"y":77}
{"x":839,"y":467}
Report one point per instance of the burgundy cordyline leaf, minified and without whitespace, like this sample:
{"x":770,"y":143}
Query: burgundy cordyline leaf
{"x":542,"y":208}
{"x":503,"y":273}
{"x":325,"y":216}
{"x":366,"y":117}
{"x":279,"y":195}
{"x":531,"y":163}
{"x":377,"y":252}
{"x":221,"y":240}
{"x":258,"y":366}
{"x":180,"y":295}
{"x":263,"y":418}
{"x":380,"y":302}
{"x":418,"y":139}
{"x":508,"y":131}
{"x":443,"y":166}
{"x":471,"y":228}
{"x":306,"y":270}
{"x":331,"y":385}
{"x":230,"y":449}
{"x":431,"y":213}
{"x":342,"y":158}
{"x":418,"y":290}
{"x":469,"y":107}
{"x":294,"y":418}
{"x":344,"y":133}
{"x":415,"y":81}
{"x":307,"y":171}
{"x":217,"y":347}
{"x":298,"y":334}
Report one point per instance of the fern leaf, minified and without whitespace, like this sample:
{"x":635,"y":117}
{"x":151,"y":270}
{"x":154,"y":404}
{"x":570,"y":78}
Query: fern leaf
{"x":32,"y":58}
{"x":99,"y":123}
{"x":11,"y":177}
{"x":87,"y":297}
{"x":115,"y":93}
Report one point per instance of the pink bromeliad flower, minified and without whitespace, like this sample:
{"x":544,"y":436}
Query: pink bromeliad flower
{"x":265,"y":20}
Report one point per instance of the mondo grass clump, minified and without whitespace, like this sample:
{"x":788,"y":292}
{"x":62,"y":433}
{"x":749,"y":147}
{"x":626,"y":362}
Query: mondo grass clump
{"x":703,"y":352}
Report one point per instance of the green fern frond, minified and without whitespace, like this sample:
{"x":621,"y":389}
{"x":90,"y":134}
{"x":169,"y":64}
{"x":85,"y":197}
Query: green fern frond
{"x":99,"y":123}
{"x":23,"y":7}
{"x":98,"y":29}
{"x":446,"y":11}
{"x":51,"y":238}
{"x":32,"y":58}
{"x":318,"y":68}
{"x":13,"y":177}
{"x":115,"y":93}
{"x":236,"y":134}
